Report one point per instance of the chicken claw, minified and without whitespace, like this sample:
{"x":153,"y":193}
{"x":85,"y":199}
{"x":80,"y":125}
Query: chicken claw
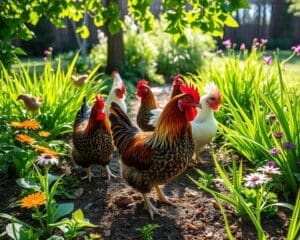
{"x":162,"y":197}
{"x":151,"y":209}
{"x":89,"y":174}
{"x":109,"y":173}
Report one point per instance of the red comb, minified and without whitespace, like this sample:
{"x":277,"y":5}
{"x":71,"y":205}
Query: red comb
{"x":114,"y":73}
{"x":177,"y":77}
{"x":100,"y":101}
{"x":191,"y":90}
{"x":142,"y":83}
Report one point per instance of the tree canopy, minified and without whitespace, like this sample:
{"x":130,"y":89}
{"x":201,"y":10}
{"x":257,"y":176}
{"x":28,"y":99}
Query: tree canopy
{"x":208,"y":15}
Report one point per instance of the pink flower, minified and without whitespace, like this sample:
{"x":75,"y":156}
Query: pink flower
{"x":269,"y":170}
{"x":220,"y":52}
{"x":271,"y":116}
{"x":243,"y":46}
{"x":278,"y":135}
{"x":47,"y":53}
{"x":254,"y":180}
{"x":274,"y":151}
{"x":227,"y":43}
{"x":263,"y":41}
{"x":296,"y":49}
{"x":268,"y":59}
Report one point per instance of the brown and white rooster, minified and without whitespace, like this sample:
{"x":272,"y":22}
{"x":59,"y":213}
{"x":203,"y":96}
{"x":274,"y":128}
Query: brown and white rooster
{"x":152,"y":158}
{"x":92,"y":138}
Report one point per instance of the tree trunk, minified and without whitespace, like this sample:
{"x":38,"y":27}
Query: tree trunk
{"x":278,"y":23}
{"x":115,"y":46}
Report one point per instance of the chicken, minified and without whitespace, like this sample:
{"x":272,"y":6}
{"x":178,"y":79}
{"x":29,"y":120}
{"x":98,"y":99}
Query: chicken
{"x":204,"y":127}
{"x":31,"y":102}
{"x":80,"y":80}
{"x":155,"y":113}
{"x":92,"y":138}
{"x":148,"y":103}
{"x":117,"y":93}
{"x":149,"y":159}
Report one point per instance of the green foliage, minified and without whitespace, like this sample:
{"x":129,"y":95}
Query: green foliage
{"x":61,"y":99}
{"x":251,"y":90}
{"x":294,"y":227}
{"x":147,"y":230}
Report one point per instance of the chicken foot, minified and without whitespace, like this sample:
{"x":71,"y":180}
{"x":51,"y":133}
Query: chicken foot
{"x":151,"y":209}
{"x":89,"y":174}
{"x":109,"y":173}
{"x":162,"y":197}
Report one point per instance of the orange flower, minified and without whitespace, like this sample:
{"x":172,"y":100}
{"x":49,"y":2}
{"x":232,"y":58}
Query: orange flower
{"x":44,"y":134}
{"x":16,"y":124}
{"x":31,"y":124}
{"x":42,"y":149}
{"x":24,"y":138}
{"x":33,"y":200}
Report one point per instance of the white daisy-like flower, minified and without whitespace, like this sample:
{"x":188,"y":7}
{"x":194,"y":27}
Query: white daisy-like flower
{"x":269,"y":170}
{"x":46,"y":159}
{"x":256,"y":179}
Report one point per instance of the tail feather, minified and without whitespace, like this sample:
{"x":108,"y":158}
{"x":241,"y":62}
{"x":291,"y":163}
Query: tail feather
{"x":121,"y":126}
{"x":83,"y":113}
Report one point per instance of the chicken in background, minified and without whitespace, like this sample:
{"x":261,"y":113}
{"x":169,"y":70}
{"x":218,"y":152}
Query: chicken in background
{"x":155,"y":113}
{"x":205,"y":126}
{"x":149,"y":159}
{"x":92,"y":138}
{"x":148,"y":103}
{"x":31,"y":102}
{"x":80,"y":80}
{"x":117,"y":93}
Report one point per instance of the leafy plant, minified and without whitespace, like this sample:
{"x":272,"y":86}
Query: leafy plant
{"x":147,"y":230}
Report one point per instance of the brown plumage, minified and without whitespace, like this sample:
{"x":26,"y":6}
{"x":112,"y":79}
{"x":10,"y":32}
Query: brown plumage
{"x":31,"y":102}
{"x":92,"y":139}
{"x":153,"y":158}
{"x":148,"y":103}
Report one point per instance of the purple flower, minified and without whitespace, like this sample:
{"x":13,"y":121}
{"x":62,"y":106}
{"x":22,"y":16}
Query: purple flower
{"x":243,"y":46}
{"x":278,"y":135}
{"x":268,"y":59}
{"x":271,"y":164}
{"x":220,"y":52}
{"x":47,"y":53}
{"x":296,"y":49}
{"x":288,"y":145}
{"x":227,"y":43}
{"x":274,"y":151}
{"x":263,"y":41}
{"x":271,"y":116}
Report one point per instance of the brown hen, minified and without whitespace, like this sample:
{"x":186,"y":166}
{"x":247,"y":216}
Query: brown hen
{"x":92,"y":139}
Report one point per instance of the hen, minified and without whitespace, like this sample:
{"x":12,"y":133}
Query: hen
{"x":148,"y":103}
{"x":31,"y":102}
{"x":204,"y":127}
{"x":117,"y":93}
{"x":149,"y":159}
{"x":92,"y":138}
{"x":155,"y":113}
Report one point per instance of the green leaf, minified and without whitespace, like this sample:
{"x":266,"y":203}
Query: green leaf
{"x":19,"y":51}
{"x":231,"y":22}
{"x":99,"y":20}
{"x":83,"y":31}
{"x":13,"y":230}
{"x":63,"y":209}
{"x":33,"y":17}
{"x":28,"y":183}
{"x":54,"y":237}
{"x":78,"y":215}
{"x":114,"y":26}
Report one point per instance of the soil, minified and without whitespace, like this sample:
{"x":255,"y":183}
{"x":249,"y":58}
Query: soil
{"x":119,"y":210}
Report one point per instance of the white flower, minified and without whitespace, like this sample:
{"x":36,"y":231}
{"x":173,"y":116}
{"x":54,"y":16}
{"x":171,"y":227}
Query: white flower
{"x":46,"y":159}
{"x":256,"y":179}
{"x":269,"y":170}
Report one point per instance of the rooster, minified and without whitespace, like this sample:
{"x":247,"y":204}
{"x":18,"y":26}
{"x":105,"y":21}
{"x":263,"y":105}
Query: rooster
{"x":31,"y":102}
{"x":117,"y":93}
{"x":148,"y":103}
{"x":204,"y":127}
{"x":149,"y":159}
{"x":155,"y":113}
{"x":92,"y":138}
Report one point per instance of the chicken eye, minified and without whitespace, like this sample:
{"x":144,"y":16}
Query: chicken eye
{"x":213,"y":99}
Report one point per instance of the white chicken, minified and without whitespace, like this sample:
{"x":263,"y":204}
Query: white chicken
{"x":205,"y":126}
{"x":117,"y":93}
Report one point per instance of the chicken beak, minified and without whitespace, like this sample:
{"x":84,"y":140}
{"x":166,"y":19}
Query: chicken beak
{"x":198,"y":105}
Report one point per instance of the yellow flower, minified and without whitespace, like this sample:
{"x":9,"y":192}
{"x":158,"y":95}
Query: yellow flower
{"x":31,"y":124}
{"x":42,"y":149}
{"x":24,"y":138}
{"x":16,"y":124}
{"x":44,"y":134}
{"x":33,"y":200}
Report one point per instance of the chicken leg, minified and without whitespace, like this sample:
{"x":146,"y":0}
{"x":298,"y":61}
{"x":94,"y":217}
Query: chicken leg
{"x":89,"y":174}
{"x":109,"y":173}
{"x":151,"y":209}
{"x":162,"y":197}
